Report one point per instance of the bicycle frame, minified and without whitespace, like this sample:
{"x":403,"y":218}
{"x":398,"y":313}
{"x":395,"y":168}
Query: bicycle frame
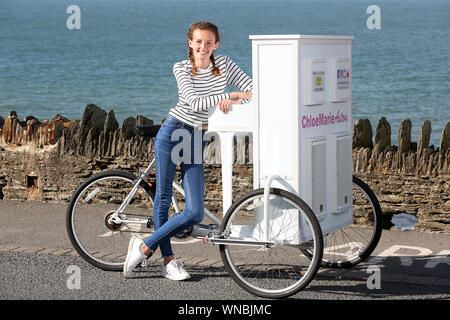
{"x":198,"y":231}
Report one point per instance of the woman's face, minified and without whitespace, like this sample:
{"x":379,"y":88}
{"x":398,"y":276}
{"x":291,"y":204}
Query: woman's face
{"x":203,"y":43}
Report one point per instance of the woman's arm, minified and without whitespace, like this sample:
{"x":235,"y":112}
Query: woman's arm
{"x":186,"y":89}
{"x":236,"y":77}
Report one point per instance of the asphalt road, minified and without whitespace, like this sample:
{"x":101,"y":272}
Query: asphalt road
{"x":37,"y":263}
{"x":46,"y":276}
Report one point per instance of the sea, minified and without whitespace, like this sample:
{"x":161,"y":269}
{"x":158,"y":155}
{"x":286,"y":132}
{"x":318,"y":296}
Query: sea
{"x":57,"y":56}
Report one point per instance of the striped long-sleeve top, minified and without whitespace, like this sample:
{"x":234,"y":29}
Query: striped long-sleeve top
{"x":197,"y":94}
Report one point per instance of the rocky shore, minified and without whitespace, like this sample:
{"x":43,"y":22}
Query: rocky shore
{"x":45,"y":161}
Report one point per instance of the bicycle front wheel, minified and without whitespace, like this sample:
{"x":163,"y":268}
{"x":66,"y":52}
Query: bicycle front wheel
{"x":101,"y":243}
{"x":271,"y":266}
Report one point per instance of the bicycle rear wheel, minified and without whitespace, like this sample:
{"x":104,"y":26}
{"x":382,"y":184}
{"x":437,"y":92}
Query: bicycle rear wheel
{"x":280,"y":269}
{"x":352,"y":244}
{"x":349,"y":246}
{"x":99,"y":242}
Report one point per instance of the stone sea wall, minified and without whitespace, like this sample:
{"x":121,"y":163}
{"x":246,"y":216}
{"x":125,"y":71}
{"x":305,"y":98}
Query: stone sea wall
{"x":45,"y":161}
{"x":412,"y":177}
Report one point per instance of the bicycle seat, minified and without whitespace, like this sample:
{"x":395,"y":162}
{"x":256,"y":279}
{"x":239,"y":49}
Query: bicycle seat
{"x":148,"y":130}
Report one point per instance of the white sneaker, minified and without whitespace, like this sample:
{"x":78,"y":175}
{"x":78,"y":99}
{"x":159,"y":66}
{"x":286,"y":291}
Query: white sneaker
{"x":174,"y":271}
{"x":134,"y":256}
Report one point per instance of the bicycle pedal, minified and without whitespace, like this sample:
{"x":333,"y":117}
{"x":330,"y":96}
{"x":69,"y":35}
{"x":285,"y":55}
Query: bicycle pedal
{"x":144,"y":263}
{"x":150,"y":223}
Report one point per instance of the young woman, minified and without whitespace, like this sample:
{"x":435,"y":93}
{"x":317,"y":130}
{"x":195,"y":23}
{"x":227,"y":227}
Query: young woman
{"x":201,"y":82}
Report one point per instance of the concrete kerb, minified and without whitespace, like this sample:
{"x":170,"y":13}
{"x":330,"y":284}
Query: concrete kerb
{"x":323,"y":273}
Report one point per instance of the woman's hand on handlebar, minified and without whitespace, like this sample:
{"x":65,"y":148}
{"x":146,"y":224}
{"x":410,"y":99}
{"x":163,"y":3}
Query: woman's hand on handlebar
{"x":240,"y":95}
{"x":224,"y":105}
{"x":235,"y":98}
{"x":245,"y":95}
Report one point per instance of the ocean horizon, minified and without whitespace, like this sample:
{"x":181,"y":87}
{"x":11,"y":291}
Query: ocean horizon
{"x":122,"y":55}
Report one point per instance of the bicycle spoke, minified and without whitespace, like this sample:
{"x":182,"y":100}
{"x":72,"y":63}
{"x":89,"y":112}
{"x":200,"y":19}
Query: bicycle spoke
{"x":349,"y":245}
{"x":89,"y":213}
{"x":277,"y":270}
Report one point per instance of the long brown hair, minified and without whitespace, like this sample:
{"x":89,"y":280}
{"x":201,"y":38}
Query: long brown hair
{"x":203,"y":25}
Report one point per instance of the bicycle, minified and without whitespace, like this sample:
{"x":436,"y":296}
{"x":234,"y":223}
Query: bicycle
{"x":261,"y":238}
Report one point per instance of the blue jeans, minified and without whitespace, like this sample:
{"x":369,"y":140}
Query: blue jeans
{"x":176,"y":142}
